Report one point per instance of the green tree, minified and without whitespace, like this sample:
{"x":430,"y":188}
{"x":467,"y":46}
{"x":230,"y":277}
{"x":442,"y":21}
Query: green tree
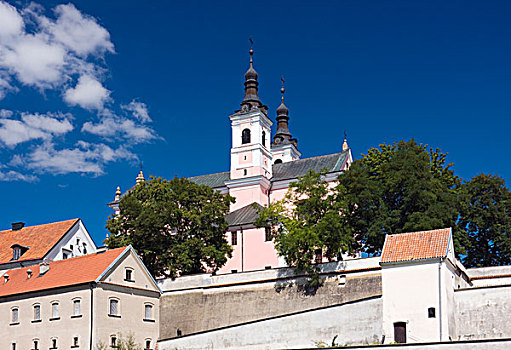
{"x":398,"y":188}
{"x":485,"y":216}
{"x":309,"y":223}
{"x":177,"y":226}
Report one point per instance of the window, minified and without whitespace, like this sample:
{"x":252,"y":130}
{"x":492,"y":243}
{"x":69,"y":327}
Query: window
{"x":245,"y":172}
{"x":36,"y":345}
{"x":264,"y":139}
{"x":54,"y":311}
{"x":113,"y":341}
{"x":148,"y":312}
{"x":278,"y":161}
{"x":234,"y":238}
{"x":431,"y":312}
{"x":129,"y":275}
{"x":84,"y":248}
{"x":13,"y":346}
{"x":76,"y":344}
{"x":76,"y":307}
{"x":148,"y":344}
{"x":400,"y":332}
{"x":37,"y":312}
{"x":319,"y":256}
{"x":245,"y":136}
{"x":267,"y":234}
{"x":14,"y":316}
{"x":64,"y":256}
{"x":54,"y":343}
{"x":114,"y":307}
{"x":16,"y":253}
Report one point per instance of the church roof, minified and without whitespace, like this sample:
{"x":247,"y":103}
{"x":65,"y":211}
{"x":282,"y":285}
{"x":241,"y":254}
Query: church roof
{"x":245,"y":215}
{"x":416,"y":246}
{"x":284,"y":171}
{"x":38,"y":239}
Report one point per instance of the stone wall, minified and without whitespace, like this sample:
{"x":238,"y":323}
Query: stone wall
{"x":354,"y":322}
{"x":483,"y":312}
{"x":202,"y":303}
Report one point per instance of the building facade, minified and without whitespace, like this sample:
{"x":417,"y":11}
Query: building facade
{"x":79,"y":303}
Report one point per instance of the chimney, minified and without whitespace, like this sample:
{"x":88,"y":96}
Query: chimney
{"x":16,"y":226}
{"x":43,"y":267}
{"x":29,"y":274}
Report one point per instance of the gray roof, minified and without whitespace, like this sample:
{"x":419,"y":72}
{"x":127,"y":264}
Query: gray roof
{"x":244,"y":216}
{"x":283,"y":171}
{"x":212,"y":180}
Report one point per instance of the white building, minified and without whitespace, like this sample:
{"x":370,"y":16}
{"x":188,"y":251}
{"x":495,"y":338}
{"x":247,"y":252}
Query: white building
{"x":79,"y":303}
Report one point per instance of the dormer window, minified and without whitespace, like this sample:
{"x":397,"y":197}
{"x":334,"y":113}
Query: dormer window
{"x":245,"y":136}
{"x":18,"y":251}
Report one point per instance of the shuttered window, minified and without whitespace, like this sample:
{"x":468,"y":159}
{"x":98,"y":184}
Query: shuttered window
{"x":37,"y":312}
{"x":76,"y":307}
{"x":114,"y":307}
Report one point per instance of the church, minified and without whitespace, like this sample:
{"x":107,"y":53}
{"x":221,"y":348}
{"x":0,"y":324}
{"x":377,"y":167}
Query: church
{"x":262,"y":167}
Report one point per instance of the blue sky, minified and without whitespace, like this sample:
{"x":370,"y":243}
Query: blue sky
{"x":90,"y":89}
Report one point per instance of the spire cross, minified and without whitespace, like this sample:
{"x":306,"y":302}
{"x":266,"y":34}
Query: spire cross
{"x":345,"y":135}
{"x":251,"y":50}
{"x":282,"y":89}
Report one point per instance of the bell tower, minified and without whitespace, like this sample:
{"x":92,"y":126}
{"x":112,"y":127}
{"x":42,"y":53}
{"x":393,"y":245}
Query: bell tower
{"x":251,"y":158}
{"x":251,"y":132}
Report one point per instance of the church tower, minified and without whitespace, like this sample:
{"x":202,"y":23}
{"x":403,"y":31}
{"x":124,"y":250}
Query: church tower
{"x":284,"y":147}
{"x":251,"y":158}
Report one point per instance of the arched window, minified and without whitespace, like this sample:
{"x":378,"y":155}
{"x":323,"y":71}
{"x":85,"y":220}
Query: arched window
{"x":278,"y":161}
{"x":245,"y":136}
{"x":264,"y":139}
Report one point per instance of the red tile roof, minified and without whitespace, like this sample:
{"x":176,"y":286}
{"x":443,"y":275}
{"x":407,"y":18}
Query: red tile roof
{"x":416,"y":245}
{"x":40,"y":239}
{"x":62,"y":273}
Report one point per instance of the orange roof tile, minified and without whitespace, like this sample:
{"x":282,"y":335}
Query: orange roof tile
{"x":416,"y":245}
{"x":40,"y":239}
{"x":62,"y":273}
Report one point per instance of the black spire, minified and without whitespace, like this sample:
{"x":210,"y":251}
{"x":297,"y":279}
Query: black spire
{"x":283,"y":135}
{"x":251,"y":98}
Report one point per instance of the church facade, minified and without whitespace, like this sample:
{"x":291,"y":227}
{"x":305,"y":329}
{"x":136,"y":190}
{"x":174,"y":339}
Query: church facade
{"x":261,"y":169}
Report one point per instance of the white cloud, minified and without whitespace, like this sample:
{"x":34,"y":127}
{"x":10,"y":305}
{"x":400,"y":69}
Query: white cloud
{"x":51,"y":51}
{"x":139,"y":111}
{"x":84,"y":158}
{"x":80,"y":33}
{"x":88,"y":93}
{"x":114,"y":126}
{"x":4,"y":113}
{"x":35,"y":61}
{"x":33,"y":126}
{"x":12,"y":175}
{"x":11,"y":23}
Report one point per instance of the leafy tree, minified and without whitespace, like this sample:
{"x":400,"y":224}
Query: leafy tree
{"x":177,"y":226}
{"x":399,"y":188}
{"x":485,"y":216}
{"x":309,"y":223}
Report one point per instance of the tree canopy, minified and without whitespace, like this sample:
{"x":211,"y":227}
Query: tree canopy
{"x":176,"y":226}
{"x":399,"y":188}
{"x":309,"y":223}
{"x":485,"y":219}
